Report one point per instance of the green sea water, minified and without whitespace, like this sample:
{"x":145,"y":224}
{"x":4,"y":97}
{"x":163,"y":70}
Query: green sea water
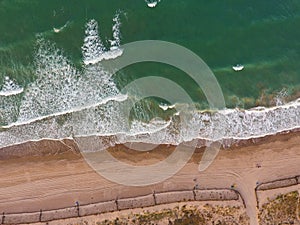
{"x":263,"y":35}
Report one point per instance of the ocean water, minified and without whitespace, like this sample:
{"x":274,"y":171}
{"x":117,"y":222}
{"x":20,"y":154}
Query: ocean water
{"x":52,"y":84}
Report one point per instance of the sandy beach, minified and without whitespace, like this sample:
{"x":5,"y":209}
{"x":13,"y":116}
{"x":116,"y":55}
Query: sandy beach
{"x":57,"y":176}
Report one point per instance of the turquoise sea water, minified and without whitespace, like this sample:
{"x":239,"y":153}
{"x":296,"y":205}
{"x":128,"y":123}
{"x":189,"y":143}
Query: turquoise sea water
{"x":262,"y":35}
{"x":51,"y":87}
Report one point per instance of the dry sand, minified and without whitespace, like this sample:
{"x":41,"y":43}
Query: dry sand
{"x":47,"y":182}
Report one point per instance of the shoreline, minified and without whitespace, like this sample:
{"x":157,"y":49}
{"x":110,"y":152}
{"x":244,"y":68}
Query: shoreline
{"x":58,"y":146}
{"x":226,"y":126}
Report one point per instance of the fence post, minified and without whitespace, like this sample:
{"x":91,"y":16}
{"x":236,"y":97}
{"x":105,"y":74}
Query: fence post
{"x":3,"y":217}
{"x":40,"y":218}
{"x":154,"y":197}
{"x":194,"y":193}
{"x":117,"y":204}
{"x":77,"y":208}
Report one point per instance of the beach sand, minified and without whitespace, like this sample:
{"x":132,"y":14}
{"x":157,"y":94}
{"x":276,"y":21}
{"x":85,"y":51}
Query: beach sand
{"x":57,"y":179}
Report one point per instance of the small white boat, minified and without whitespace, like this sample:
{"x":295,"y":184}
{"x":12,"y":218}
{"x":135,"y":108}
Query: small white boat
{"x":56,"y":30}
{"x":238,"y":67}
{"x":152,"y":4}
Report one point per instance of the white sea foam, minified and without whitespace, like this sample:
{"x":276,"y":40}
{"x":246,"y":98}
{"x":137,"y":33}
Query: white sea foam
{"x":11,"y":92}
{"x":60,"y":87}
{"x":116,"y":41}
{"x":9,"y":98}
{"x":166,"y":107}
{"x":10,"y":88}
{"x":238,"y":124}
{"x":117,"y":98}
{"x":279,"y":98}
{"x":93,"y":49}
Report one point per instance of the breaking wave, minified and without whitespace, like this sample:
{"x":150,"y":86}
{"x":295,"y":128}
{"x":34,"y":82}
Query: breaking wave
{"x":10,"y":95}
{"x":106,"y":122}
{"x":93,"y":49}
{"x":60,"y":87}
{"x":64,"y":102}
{"x":10,"y":88}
